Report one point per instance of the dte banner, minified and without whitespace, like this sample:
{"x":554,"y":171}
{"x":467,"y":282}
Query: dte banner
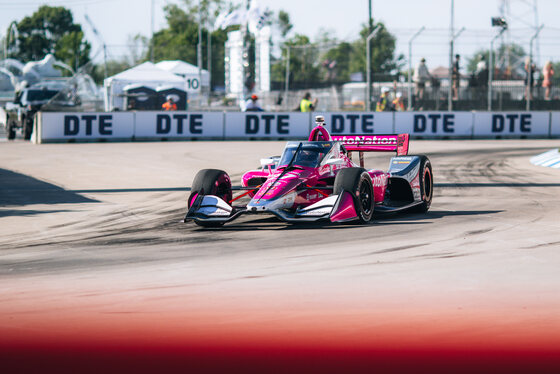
{"x":179,"y":125}
{"x":358,"y":123}
{"x":85,"y":126}
{"x":267,"y":125}
{"x":511,"y":124}
{"x":434,"y":124}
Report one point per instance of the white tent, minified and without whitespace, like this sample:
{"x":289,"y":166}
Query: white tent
{"x":146,"y":74}
{"x":188,"y":72}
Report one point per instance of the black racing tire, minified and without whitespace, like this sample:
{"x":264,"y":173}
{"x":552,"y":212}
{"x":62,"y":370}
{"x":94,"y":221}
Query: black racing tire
{"x":426,"y":185}
{"x":28,"y":128}
{"x":11,"y":130}
{"x":211,"y":182}
{"x":358,"y":182}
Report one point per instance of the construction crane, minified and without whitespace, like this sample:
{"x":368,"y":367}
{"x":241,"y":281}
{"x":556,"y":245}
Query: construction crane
{"x":98,"y":35}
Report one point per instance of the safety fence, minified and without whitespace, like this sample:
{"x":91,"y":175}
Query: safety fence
{"x":131,"y":126}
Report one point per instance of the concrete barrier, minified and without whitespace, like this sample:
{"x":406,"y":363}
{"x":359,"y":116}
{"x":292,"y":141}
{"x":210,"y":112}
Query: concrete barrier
{"x":129,"y":126}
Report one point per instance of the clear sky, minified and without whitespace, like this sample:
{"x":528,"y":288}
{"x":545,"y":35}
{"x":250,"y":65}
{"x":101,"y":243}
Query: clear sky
{"x":116,"y":20}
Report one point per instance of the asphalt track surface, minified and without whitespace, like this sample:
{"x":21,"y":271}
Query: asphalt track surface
{"x":98,"y":273}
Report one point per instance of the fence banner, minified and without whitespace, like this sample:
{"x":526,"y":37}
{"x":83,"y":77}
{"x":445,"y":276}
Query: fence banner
{"x":73,"y":126}
{"x":179,"y":125}
{"x":510,"y":124}
{"x":267,"y":125}
{"x":358,"y":123}
{"x":58,"y":126}
{"x":434,"y":124}
{"x":555,"y":124}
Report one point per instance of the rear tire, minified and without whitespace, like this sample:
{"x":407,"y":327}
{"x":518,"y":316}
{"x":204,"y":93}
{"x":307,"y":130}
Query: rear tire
{"x":11,"y":130}
{"x":358,"y":182}
{"x":28,"y":128}
{"x":211,"y":182}
{"x":426,"y":185}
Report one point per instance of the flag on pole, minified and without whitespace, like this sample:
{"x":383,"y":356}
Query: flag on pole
{"x":236,"y":17}
{"x":257,"y":17}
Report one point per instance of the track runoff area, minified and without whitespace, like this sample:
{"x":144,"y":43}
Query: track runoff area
{"x":99,"y":273}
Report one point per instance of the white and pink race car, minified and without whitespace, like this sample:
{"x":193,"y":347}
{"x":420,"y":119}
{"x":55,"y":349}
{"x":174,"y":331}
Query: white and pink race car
{"x":318,"y":180}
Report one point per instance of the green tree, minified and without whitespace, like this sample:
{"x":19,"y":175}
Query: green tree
{"x":52,"y":30}
{"x":179,"y":40}
{"x":331,"y":61}
{"x":383,"y":59}
{"x":516,"y":58}
{"x":304,"y":62}
{"x":284,"y":23}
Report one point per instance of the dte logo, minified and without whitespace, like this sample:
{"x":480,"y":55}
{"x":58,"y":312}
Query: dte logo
{"x":72,"y":124}
{"x":509,"y":122}
{"x":164,"y":123}
{"x":338,"y":123}
{"x":253,"y":123}
{"x":432,"y":121}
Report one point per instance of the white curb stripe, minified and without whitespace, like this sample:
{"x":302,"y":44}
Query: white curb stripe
{"x":548,"y":159}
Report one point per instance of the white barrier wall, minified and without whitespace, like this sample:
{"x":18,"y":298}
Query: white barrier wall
{"x":150,"y":125}
{"x":352,"y":123}
{"x":289,"y":125}
{"x":85,"y":126}
{"x":267,"y":125}
{"x":510,"y":124}
{"x":555,"y":124}
{"x":432,"y":124}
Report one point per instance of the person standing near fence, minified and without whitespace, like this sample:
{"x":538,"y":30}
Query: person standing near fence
{"x":529,"y":78}
{"x":306,"y":105}
{"x":456,"y":77}
{"x":548,"y":73}
{"x":398,"y":103}
{"x":421,"y":76}
{"x":169,"y":105}
{"x":384,"y":103}
{"x":252,"y":104}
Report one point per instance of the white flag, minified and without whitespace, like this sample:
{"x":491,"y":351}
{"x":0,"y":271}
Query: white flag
{"x":237,"y":17}
{"x":257,"y":17}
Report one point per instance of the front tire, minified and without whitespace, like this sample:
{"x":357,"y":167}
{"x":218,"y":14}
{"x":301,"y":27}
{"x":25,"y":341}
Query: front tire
{"x":211,"y":182}
{"x":426,"y":185}
{"x":357,"y":182}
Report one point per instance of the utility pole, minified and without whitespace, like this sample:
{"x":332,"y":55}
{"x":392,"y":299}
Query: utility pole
{"x":450,"y":75}
{"x":102,"y":42}
{"x":368,"y":67}
{"x":491,"y":65}
{"x":370,"y":19}
{"x":287,"y":87}
{"x":209,"y":63}
{"x":152,"y":32}
{"x":410,"y":66}
{"x":199,"y":50}
{"x":530,"y":72}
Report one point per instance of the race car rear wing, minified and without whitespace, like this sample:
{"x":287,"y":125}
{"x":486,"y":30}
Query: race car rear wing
{"x":374,"y":143}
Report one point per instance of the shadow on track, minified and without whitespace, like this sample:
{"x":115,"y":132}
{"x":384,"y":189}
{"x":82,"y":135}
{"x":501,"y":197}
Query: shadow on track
{"x":399,"y":218}
{"x":19,"y":213}
{"x":18,"y":190}
{"x":494,"y":184}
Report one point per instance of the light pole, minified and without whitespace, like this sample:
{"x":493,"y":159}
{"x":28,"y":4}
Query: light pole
{"x":152,"y":31}
{"x":491,"y":67}
{"x":287,"y":87}
{"x":199,"y":50}
{"x":529,"y":88}
{"x":450,"y":75}
{"x":410,"y":66}
{"x":368,"y":67}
